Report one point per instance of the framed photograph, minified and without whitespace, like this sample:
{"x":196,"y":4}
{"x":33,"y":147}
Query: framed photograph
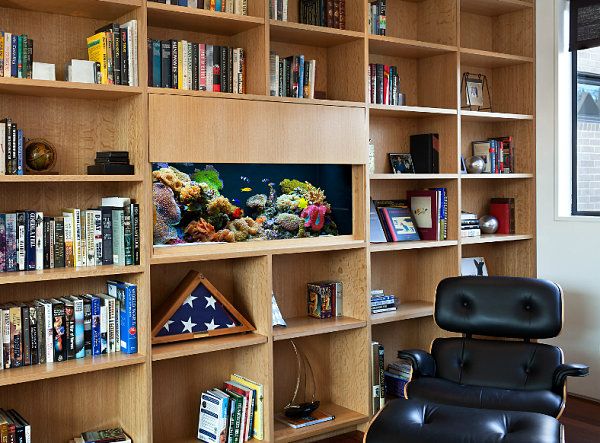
{"x":473,"y":266}
{"x":402,"y":163}
{"x":475,"y":92}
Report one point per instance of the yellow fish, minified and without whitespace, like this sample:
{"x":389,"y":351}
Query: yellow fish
{"x":246,"y":189}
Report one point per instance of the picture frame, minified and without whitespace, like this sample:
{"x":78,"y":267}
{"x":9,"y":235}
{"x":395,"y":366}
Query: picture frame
{"x":463,"y":165}
{"x":402,"y":163}
{"x":476,"y":92}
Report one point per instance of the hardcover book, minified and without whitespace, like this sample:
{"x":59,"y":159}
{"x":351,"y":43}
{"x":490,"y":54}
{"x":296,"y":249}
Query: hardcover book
{"x":504,"y":211}
{"x":424,"y":207}
{"x":59,"y":331}
{"x":425,"y":152}
{"x":399,"y":224}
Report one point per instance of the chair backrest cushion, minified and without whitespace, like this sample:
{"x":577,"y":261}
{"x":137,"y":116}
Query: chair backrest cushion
{"x":511,"y":307}
{"x":496,"y":363}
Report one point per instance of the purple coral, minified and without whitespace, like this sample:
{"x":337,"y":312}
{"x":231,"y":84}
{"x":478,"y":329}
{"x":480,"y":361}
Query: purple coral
{"x":166,"y":214}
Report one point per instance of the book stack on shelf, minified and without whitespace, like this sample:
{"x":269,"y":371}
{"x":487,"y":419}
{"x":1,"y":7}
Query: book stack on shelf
{"x":16,"y":55}
{"x":377,"y":370}
{"x":329,"y":13}
{"x":11,"y":148}
{"x":469,"y":225}
{"x":111,"y":163}
{"x":112,"y":435}
{"x":109,"y":235}
{"x":114,"y":50}
{"x":398,"y":374}
{"x":325,"y":299}
{"x":377,"y":19}
{"x":292,"y":76}
{"x":71,"y":327}
{"x":13,"y":427}
{"x":381,"y":302}
{"x":315,"y":418}
{"x":180,"y":64}
{"x":384,"y":85}
{"x":497,"y":153}
{"x":234,"y":413}
{"x":239,"y":7}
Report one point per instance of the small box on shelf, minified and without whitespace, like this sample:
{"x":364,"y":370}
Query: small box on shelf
{"x":111,"y":163}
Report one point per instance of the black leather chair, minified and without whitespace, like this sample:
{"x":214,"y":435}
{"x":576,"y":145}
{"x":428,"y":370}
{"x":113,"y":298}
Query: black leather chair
{"x":516,"y":375}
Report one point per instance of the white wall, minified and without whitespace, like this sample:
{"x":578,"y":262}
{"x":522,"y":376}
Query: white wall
{"x":568,"y":248}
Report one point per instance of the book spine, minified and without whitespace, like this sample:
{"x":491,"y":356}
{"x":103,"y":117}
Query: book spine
{"x":104,"y":328}
{"x":96,"y":325}
{"x":209,"y":67}
{"x":59,"y":242}
{"x":107,"y":236}
{"x":33,"y":335}
{"x":225,"y":69}
{"x":118,"y":236}
{"x":90,"y":230}
{"x":38,"y":218}
{"x":156,"y":66}
{"x":96,"y":229}
{"x":15,"y":149}
{"x":59,"y":331}
{"x":202,"y":67}
{"x":2,"y":243}
{"x":20,"y":159}
{"x":174,"y":65}
{"x":125,"y":56}
{"x":87,"y":326}
{"x":127,"y":236}
{"x":78,"y":316}
{"x":68,"y":240}
{"x":49,"y":331}
{"x":165,"y":65}
{"x":135,"y":210}
{"x":216,"y":84}
{"x":47,"y":242}
{"x":41,"y":332}
{"x":195,"y":66}
{"x":69,"y":329}
{"x":6,"y":342}
{"x":128,"y":318}
{"x":25,"y":336}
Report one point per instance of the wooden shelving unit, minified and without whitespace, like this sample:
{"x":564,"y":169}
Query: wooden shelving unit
{"x":431,"y":41}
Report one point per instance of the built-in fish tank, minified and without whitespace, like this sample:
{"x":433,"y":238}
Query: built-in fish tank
{"x":227,"y":203}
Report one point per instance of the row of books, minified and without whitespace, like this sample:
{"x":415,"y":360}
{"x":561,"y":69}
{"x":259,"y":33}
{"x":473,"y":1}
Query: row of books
{"x":397,"y":375}
{"x":329,"y":13}
{"x":382,"y":302}
{"x":11,"y":148}
{"x":239,"y":7}
{"x":232,"y":414}
{"x":292,"y":76}
{"x":70,"y":327}
{"x":112,"y":435}
{"x":384,"y":85}
{"x":109,"y":235}
{"x":114,"y":49}
{"x":469,"y":225}
{"x":377,"y":19}
{"x":13,"y":427}
{"x":180,"y":64}
{"x":16,"y":55}
{"x":497,"y":153}
{"x":325,"y":299}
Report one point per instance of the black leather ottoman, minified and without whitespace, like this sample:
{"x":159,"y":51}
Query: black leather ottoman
{"x":410,"y":421}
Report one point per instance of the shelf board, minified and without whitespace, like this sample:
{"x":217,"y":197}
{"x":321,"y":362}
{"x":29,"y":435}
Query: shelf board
{"x":404,"y":311}
{"x":514,"y":176}
{"x":495,"y":238}
{"x":58,"y":178}
{"x":320,"y":36}
{"x":205,"y":345}
{"x":97,"y":9}
{"x":493,"y":7}
{"x":217,"y":251}
{"x":413,"y":176}
{"x":408,"y":111}
{"x":254,"y":97}
{"x":50,"y":88}
{"x":68,"y":368}
{"x":306,"y":326}
{"x":407,"y":245}
{"x":400,"y":47}
{"x":344,"y":418}
{"x":487,"y":59}
{"x":480,"y":116}
{"x":7,"y":278}
{"x":200,"y":20}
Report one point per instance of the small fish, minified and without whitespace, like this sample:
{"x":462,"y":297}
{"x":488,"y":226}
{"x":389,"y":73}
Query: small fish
{"x":271,"y":184}
{"x":245,"y":179}
{"x":265,"y":180}
{"x":246,"y":189}
{"x":235,"y":201}
{"x":162,"y":165}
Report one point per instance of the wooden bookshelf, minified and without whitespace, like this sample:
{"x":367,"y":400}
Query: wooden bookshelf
{"x":431,"y":41}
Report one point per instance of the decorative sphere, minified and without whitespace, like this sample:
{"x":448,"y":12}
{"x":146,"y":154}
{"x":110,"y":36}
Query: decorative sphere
{"x":488,"y":224}
{"x":475,"y":165}
{"x":40,"y":155}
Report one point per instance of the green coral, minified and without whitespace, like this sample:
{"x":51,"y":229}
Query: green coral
{"x":289,"y":222}
{"x":287,"y":202}
{"x":289,"y":186}
{"x":210,"y":176}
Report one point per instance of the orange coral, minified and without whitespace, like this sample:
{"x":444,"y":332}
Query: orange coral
{"x":200,"y":231}
{"x":169,"y":179}
{"x":224,"y":235}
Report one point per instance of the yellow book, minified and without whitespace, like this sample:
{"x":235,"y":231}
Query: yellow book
{"x":98,"y":52}
{"x":258,"y":426}
{"x":180,"y":65}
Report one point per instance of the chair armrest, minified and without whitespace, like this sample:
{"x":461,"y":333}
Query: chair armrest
{"x":422,"y":362}
{"x":568,"y":370}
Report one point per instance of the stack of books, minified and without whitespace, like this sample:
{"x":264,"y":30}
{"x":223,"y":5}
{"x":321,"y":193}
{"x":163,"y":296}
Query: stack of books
{"x":469,"y":225}
{"x":114,"y":50}
{"x":180,"y":64}
{"x":329,"y":13}
{"x":233,"y":413}
{"x":71,"y":327}
{"x":108,"y":235}
{"x":104,"y":436}
{"x":377,"y":20}
{"x":14,"y":427}
{"x":16,"y":55}
{"x":378,"y":381}
{"x":292,"y":76}
{"x":380,"y":302}
{"x":325,"y":299}
{"x":398,"y":374}
{"x":111,"y":163}
{"x":384,"y":85}
{"x":11,"y":148}
{"x":316,"y":417}
{"x":497,"y":153}
{"x":239,"y":7}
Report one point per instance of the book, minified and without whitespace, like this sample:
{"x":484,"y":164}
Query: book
{"x":59,"y":331}
{"x":504,"y":211}
{"x":424,"y":206}
{"x":212,"y":420}
{"x":399,"y":224}
{"x":318,"y":416}
{"x":258,"y":424}
{"x":105,"y":436}
{"x":425,"y":152}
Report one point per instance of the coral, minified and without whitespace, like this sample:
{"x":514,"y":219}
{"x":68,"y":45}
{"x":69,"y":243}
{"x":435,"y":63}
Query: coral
{"x":190,"y":194}
{"x":220,"y":205}
{"x":314,"y":217}
{"x":199,"y":231}
{"x":315,"y":196}
{"x":219,"y":221}
{"x":302,"y":203}
{"x":243,"y":228}
{"x":210,"y":176}
{"x":166,"y":213}
{"x":287,"y":202}
{"x":257,"y":202}
{"x":172,"y":177}
{"x":289,"y":222}
{"x":289,"y":186}
{"x":224,"y":235}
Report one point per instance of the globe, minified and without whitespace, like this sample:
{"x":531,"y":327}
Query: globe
{"x":40,"y":156}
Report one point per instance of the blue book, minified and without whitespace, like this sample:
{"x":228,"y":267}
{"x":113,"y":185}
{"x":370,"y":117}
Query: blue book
{"x":30,"y":254}
{"x":218,"y":5}
{"x":20,"y":152}
{"x":13,"y":58}
{"x":300,"y":76}
{"x":156,"y":64}
{"x":11,"y":243}
{"x":183,"y":2}
{"x":96,"y":339}
{"x":126,"y":293}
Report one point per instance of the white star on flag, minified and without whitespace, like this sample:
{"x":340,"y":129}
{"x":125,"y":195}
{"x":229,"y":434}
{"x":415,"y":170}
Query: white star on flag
{"x":167,"y":324}
{"x":211,"y":326}
{"x":210,"y":301}
{"x":232,"y":325}
{"x":188,"y":325}
{"x":190,"y":300}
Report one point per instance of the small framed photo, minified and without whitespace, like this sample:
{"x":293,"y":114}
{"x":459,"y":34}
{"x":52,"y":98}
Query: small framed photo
{"x":475,"y":92}
{"x":402,"y":163}
{"x":463,"y":165}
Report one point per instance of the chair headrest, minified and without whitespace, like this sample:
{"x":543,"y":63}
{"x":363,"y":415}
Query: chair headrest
{"x":511,"y":307}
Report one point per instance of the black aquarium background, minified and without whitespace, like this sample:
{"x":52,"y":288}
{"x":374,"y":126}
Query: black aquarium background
{"x":335,"y":180}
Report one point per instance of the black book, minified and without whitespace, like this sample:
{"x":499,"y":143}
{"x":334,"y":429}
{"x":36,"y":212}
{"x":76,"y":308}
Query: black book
{"x":113,"y":154}
{"x":59,"y":242}
{"x":195,"y":66}
{"x":379,"y":83}
{"x":87,"y":325}
{"x":289,"y":66}
{"x":30,"y":255}
{"x":165,"y":64}
{"x":47,"y":242}
{"x":58,"y":331}
{"x":124,"y":56}
{"x":128,"y":235}
{"x":41,"y":328}
{"x":107,"y":240}
{"x":33,"y":334}
{"x":15,"y":149}
{"x":19,"y":427}
{"x":8,"y":144}
{"x":135,"y":221}
{"x":224,"y":69}
{"x":21,"y":241}
{"x":155,"y":64}
{"x":114,"y":29}
{"x":425,"y":152}
{"x":150,"y":49}
{"x":217,"y":86}
{"x":25,"y":335}
{"x":174,"y":67}
{"x":69,"y":328}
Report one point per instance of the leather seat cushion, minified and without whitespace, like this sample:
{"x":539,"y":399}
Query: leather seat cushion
{"x":442,"y":391}
{"x":409,"y":421}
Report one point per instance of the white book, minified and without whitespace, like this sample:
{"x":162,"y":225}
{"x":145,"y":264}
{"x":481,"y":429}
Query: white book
{"x":311,"y":78}
{"x":238,"y":7}
{"x":190,"y":66}
{"x":274,"y":62}
{"x":193,"y":3}
{"x":76,"y":231}
{"x":132,"y":51}
{"x":7,"y":53}
{"x":21,"y":246}
{"x":209,"y":68}
{"x":184,"y":64}
{"x":104,"y":329}
{"x":236,"y":70}
{"x":229,"y":6}
{"x":90,"y":234}
{"x":39,"y":241}
{"x":2,"y":148}
{"x":284,"y":15}
{"x":47,"y":307}
{"x":97,"y":214}
{"x":68,"y":234}
{"x":52,"y":242}
{"x":109,"y":303}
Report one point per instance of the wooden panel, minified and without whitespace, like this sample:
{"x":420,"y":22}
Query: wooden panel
{"x":515,"y":258}
{"x":263,"y":126}
{"x":429,"y":20}
{"x":476,"y":31}
{"x":346,"y":81}
{"x":494,"y":7}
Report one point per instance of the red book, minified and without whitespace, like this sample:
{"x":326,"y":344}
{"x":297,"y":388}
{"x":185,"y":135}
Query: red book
{"x":386,"y":85}
{"x":425,"y":209}
{"x":504,"y":210}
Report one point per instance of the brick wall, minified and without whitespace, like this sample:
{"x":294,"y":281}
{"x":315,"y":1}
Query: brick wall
{"x":588,"y":144}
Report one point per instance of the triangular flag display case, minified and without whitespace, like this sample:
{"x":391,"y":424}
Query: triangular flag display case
{"x":196,"y":309}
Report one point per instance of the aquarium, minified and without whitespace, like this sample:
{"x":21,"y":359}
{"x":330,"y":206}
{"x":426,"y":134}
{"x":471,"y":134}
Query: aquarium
{"x":201,"y":203}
